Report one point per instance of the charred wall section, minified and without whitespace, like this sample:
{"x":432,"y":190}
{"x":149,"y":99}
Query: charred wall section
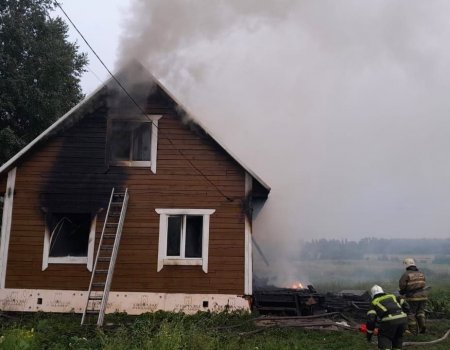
{"x":3,"y":179}
{"x":79,"y":178}
{"x":68,"y":174}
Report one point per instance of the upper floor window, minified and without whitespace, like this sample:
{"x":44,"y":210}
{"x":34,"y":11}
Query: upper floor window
{"x":133,"y":142}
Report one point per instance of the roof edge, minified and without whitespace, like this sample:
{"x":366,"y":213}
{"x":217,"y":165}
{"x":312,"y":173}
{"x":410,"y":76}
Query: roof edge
{"x":9,"y":164}
{"x":215,"y":138}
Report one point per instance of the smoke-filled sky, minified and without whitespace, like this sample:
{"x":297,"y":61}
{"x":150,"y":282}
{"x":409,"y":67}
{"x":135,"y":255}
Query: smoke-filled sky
{"x":342,"y":107}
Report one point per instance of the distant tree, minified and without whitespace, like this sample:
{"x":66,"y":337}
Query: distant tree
{"x":39,"y":72}
{"x":324,"y":249}
{"x":441,"y":259}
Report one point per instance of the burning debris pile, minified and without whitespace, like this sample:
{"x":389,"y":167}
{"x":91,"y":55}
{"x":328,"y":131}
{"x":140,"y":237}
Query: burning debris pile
{"x":297,"y":301}
{"x":356,"y":302}
{"x":304,"y":301}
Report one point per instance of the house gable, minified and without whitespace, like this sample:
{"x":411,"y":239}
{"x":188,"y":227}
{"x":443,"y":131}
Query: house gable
{"x":134,"y":92}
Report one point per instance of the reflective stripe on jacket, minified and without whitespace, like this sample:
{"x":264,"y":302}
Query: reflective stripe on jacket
{"x":385,"y":308}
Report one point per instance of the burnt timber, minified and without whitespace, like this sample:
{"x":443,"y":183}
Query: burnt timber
{"x":307,"y":301}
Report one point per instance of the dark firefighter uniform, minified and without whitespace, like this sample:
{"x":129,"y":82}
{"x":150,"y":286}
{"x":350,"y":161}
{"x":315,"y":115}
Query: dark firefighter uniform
{"x":412,"y":284}
{"x":388,"y":313}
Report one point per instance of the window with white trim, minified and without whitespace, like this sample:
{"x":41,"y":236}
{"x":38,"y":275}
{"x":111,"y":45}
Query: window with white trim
{"x":183,"y":237}
{"x":133,"y":142}
{"x":69,"y":239}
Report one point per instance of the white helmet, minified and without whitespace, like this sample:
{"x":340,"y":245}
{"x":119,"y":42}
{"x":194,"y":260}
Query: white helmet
{"x":409,"y":262}
{"x":376,"y":289}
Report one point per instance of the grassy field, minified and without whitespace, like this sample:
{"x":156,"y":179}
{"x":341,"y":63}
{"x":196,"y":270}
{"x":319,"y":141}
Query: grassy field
{"x":168,"y":331}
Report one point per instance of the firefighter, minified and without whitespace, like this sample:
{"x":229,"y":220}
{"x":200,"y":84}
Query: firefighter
{"x":412,"y":287}
{"x":389,"y":314}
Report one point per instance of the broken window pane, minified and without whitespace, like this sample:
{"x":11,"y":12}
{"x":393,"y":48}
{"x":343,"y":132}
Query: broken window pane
{"x":174,"y":227}
{"x":130,"y":141}
{"x":69,"y":234}
{"x":120,"y":140}
{"x":141,"y":141}
{"x":194,"y":234}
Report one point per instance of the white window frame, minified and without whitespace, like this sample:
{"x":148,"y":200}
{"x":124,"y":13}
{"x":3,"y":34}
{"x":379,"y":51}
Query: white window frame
{"x":163,"y":259}
{"x":88,"y":260}
{"x":153,"y":119}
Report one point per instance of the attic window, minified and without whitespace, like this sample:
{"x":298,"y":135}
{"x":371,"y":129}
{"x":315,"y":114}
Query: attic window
{"x":183,"y":237}
{"x":133,"y":142}
{"x":69,"y":239}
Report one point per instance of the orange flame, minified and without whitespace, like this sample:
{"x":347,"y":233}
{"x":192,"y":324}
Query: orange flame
{"x":297,"y":285}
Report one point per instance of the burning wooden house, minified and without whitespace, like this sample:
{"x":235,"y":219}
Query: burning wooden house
{"x":127,"y":204}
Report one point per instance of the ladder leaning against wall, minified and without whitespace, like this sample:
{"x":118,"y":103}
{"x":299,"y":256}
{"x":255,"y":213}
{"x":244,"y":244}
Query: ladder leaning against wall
{"x":103,"y":270}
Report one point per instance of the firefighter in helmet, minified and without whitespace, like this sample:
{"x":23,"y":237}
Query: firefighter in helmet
{"x":389,"y":314}
{"x":412,"y":287}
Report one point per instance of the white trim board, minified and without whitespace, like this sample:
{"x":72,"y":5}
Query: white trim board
{"x":6,"y":224}
{"x":133,"y":303}
{"x":154,"y":143}
{"x":248,"y":275}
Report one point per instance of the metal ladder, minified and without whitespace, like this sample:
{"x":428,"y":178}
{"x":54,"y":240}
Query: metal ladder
{"x":108,"y":246}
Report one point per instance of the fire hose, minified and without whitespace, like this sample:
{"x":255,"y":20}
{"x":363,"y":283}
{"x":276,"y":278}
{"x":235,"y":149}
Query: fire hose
{"x":417,"y":343}
{"x":363,"y":329}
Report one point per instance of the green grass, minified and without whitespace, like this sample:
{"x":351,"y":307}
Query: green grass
{"x":206,"y":331}
{"x":169,"y":331}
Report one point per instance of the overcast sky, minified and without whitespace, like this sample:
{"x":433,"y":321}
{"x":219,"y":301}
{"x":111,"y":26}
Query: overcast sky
{"x":342,"y":107}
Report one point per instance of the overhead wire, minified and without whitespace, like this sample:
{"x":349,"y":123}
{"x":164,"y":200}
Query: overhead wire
{"x":95,"y":75}
{"x":137,"y":104}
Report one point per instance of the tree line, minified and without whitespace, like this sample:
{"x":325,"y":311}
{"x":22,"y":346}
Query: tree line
{"x":332,"y":249}
{"x":40,"y":72}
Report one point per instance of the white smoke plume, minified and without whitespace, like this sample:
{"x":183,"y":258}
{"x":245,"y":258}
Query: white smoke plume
{"x":340,"y":105}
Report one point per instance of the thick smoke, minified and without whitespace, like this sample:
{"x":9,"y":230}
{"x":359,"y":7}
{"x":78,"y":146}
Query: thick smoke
{"x":341,"y":106}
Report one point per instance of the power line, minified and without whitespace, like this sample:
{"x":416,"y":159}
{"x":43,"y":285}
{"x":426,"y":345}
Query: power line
{"x":135,"y":102}
{"x":95,"y":75}
{"x":98,"y":57}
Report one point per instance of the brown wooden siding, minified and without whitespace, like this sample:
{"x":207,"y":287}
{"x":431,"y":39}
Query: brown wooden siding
{"x":3,"y":179}
{"x":70,"y":171}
